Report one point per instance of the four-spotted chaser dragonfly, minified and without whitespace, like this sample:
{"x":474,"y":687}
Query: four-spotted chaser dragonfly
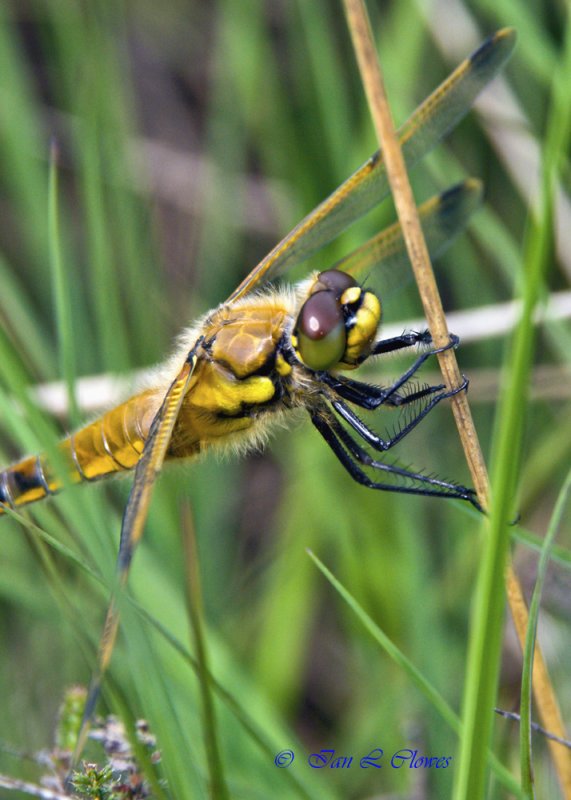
{"x":264,"y":352}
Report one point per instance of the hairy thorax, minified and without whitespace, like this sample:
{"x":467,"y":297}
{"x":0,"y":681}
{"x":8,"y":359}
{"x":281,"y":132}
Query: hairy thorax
{"x":239,"y":376}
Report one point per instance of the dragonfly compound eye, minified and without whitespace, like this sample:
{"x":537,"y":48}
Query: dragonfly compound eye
{"x":335,"y":280}
{"x":321,"y":331}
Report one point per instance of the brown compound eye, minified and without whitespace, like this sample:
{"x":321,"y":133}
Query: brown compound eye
{"x":321,"y":330}
{"x":334,"y":280}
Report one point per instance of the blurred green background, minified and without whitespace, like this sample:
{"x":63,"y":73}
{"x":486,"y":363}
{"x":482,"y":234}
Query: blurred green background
{"x":189,"y":140}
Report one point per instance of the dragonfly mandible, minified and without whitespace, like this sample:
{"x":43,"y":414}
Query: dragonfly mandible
{"x":266,"y":351}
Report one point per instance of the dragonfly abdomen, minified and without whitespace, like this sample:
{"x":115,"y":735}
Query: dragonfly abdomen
{"x":109,"y":445}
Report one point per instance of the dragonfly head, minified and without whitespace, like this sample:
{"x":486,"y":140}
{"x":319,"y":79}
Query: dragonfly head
{"x":337,"y":324}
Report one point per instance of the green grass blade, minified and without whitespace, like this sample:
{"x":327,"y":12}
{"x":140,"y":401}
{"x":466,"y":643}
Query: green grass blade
{"x":485,"y":641}
{"x":61,"y":291}
{"x":527,"y":670}
{"x":415,"y":676}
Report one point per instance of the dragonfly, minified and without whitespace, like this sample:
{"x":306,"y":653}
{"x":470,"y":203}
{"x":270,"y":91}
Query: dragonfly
{"x":269,"y":350}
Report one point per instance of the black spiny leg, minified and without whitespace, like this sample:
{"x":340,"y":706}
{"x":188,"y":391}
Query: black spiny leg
{"x":371,"y":397}
{"x":376,"y":441}
{"x":351,"y":454}
{"x":401,"y":342}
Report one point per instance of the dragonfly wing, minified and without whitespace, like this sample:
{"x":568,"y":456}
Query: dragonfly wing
{"x":134,"y":519}
{"x":431,"y":121}
{"x":382,"y":263}
{"x":150,"y":465}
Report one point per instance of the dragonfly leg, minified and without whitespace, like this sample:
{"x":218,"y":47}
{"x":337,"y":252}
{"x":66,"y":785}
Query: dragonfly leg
{"x":350,"y":454}
{"x":391,"y":392}
{"x":371,"y":397}
{"x":401,"y":342}
{"x":410,"y":340}
{"x":376,"y":441}
{"x":406,"y":376}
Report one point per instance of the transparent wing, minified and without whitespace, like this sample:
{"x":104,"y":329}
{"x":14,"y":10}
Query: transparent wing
{"x":382,"y":263}
{"x":431,"y":121}
{"x":132,"y":527}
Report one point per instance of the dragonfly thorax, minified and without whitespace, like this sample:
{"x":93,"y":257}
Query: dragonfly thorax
{"x":337,"y":324}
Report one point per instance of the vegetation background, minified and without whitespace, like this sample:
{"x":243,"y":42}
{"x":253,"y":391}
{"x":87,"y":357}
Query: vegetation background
{"x":188,"y":142}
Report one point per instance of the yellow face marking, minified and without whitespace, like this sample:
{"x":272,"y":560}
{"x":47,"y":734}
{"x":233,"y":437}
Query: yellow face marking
{"x":351,"y":295}
{"x":362,"y":334}
{"x":371,"y":309}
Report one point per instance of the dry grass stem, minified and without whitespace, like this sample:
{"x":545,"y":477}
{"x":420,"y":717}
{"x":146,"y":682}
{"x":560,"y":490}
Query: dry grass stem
{"x":418,"y":253}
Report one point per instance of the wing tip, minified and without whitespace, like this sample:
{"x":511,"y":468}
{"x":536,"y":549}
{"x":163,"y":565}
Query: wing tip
{"x":457,"y":204}
{"x":496,"y":49}
{"x":469,"y":187}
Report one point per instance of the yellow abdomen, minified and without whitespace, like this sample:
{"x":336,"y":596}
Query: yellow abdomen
{"x":111,"y":444}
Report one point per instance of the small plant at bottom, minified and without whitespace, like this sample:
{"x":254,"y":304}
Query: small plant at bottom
{"x":119,"y":777}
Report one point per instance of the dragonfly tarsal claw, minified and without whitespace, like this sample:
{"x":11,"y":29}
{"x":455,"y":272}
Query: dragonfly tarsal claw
{"x":462,"y":387}
{"x":453,"y":343}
